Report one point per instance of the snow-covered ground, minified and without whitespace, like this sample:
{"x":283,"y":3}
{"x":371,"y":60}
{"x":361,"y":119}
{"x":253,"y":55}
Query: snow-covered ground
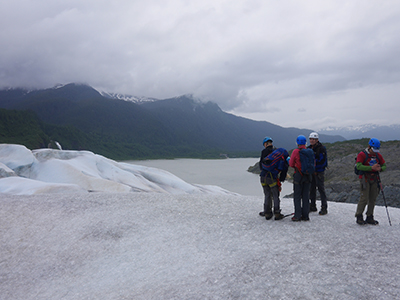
{"x":171,"y":243}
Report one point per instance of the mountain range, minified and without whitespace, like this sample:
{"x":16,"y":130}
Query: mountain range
{"x":127,"y":127}
{"x":383,"y":133}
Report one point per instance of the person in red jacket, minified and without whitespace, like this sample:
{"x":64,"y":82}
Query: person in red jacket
{"x":301,"y":183}
{"x":370,"y":162}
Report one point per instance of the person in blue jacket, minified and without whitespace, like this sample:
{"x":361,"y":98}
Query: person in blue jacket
{"x":318,"y":178}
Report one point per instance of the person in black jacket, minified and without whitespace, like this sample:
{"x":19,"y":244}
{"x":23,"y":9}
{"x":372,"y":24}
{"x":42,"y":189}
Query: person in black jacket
{"x":318,"y":178}
{"x":268,"y":149}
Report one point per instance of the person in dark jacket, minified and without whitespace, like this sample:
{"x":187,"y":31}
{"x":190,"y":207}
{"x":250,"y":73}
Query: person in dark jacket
{"x":318,"y":178}
{"x":275,"y":166}
{"x":268,"y":149}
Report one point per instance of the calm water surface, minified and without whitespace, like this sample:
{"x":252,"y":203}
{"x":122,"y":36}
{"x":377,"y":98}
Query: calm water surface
{"x":230,"y":174}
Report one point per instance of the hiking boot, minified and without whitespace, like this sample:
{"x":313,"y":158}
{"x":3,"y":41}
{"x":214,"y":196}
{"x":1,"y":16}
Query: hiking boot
{"x":313,"y":208}
{"x":269,"y":215}
{"x":370,"y":220}
{"x":294,"y":219}
{"x":279,"y":216}
{"x":305,"y":218}
{"x":360,"y":220}
{"x":323,"y":211}
{"x":262,"y":214}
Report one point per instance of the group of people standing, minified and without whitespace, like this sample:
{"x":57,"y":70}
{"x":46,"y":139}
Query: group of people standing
{"x":304,"y":185}
{"x":306,"y":182}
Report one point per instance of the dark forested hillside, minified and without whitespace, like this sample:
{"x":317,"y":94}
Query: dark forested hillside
{"x":208,"y":124}
{"x":81,"y":118}
{"x":21,"y":127}
{"x":25,"y":128}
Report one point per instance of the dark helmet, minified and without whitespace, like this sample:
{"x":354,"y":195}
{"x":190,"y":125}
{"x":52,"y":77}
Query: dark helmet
{"x":301,"y":140}
{"x":267,"y":139}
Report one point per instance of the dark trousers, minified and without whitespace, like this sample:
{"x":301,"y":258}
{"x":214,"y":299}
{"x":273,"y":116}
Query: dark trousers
{"x":270,"y":194}
{"x":318,"y":182}
{"x":301,"y":189}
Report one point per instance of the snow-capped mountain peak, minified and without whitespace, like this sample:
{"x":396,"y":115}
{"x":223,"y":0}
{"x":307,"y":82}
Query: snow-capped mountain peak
{"x":129,"y":98}
{"x":359,"y":128}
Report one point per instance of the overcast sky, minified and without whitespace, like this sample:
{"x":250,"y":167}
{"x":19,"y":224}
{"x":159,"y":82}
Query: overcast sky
{"x":308,"y":63}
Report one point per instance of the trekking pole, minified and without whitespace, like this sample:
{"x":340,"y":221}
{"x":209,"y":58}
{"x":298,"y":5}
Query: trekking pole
{"x":288,"y":215}
{"x":384,"y":199}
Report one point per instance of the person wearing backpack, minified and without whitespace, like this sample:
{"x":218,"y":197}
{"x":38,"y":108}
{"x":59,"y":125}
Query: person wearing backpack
{"x":275,"y":165}
{"x":368,"y":164}
{"x":303,"y":162}
{"x":318,"y":178}
{"x":268,"y":149}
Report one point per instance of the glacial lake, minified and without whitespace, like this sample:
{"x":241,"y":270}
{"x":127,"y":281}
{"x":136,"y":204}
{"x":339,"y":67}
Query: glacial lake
{"x":230,"y":174}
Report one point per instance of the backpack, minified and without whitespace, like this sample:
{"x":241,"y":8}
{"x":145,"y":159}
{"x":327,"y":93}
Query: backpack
{"x":307,"y":160}
{"x":276,"y":161}
{"x":357,"y":171}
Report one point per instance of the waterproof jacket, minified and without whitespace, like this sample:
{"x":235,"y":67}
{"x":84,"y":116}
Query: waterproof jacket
{"x":321,"y":158}
{"x":365,"y":163}
{"x":294,"y":161}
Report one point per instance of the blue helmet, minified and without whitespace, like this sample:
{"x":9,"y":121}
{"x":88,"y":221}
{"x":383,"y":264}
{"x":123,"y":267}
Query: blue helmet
{"x":267,"y":139}
{"x":301,"y":140}
{"x":374,"y":143}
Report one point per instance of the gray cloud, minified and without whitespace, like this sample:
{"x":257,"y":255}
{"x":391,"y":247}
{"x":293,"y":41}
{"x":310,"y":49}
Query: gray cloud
{"x":259,"y":59}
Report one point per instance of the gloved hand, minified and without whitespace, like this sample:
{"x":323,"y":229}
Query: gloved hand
{"x":376,"y":168}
